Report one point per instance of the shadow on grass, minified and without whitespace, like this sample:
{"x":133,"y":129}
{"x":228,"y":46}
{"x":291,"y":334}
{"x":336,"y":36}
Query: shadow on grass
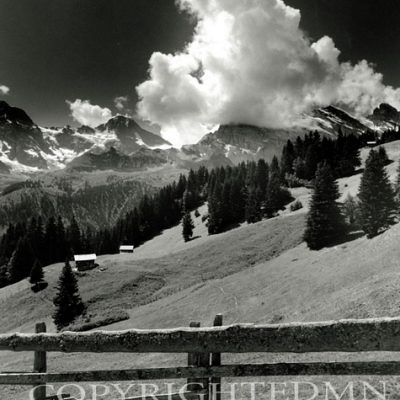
{"x":194,"y":238}
{"x":346,"y":238}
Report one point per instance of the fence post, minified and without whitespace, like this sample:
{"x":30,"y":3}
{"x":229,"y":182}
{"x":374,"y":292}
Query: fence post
{"x":216,"y":362}
{"x":40,"y":364}
{"x":198,"y":360}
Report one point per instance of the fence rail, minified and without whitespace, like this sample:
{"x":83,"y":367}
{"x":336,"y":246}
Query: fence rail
{"x":204,"y":347}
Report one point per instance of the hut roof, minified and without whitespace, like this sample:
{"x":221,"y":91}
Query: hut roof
{"x":126,"y":247}
{"x":85,"y":257}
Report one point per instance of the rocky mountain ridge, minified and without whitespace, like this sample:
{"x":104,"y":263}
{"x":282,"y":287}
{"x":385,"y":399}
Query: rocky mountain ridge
{"x":121,"y":144}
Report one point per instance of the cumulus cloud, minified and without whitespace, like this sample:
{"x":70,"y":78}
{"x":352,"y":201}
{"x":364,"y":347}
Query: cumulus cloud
{"x":4,"y":89}
{"x":249,"y":62}
{"x":120,"y":102}
{"x":89,"y":114}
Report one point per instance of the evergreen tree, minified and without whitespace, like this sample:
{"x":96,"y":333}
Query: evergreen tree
{"x":67,"y":301}
{"x":215,"y":210}
{"x":21,"y":261}
{"x":383,"y":156}
{"x":75,"y":239}
{"x":236,"y":201}
{"x":277,"y":196}
{"x":62,"y":252}
{"x":3,"y":276}
{"x":187,"y":226}
{"x":37,"y":274}
{"x":325,"y":222}
{"x":311,"y":161}
{"x":262,"y":177}
{"x":50,"y":238}
{"x":287,"y":159}
{"x":377,"y":204}
{"x":253,"y":211}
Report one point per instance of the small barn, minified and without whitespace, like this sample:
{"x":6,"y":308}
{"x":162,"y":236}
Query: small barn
{"x":84,"y":262}
{"x":126,"y":248}
{"x":372,"y":143}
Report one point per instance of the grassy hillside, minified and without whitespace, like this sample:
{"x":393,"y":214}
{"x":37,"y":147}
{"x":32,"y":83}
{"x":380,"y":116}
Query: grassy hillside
{"x":256,"y":273}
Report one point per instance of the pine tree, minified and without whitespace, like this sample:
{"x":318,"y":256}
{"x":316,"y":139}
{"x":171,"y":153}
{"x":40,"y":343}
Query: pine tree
{"x":377,"y":204}
{"x":262,"y":176}
{"x":75,"y":237}
{"x":383,"y":156}
{"x":187,"y":227}
{"x":67,"y":301}
{"x":21,"y":261}
{"x":287,"y":159}
{"x":3,"y":276}
{"x":325,"y":222}
{"x":50,"y":239}
{"x":215,"y":210}
{"x":277,"y":196}
{"x":61,"y":241}
{"x":253,"y":209}
{"x":37,"y":274}
{"x":236,"y":201}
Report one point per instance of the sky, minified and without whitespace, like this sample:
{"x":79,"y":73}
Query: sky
{"x":197,"y":63}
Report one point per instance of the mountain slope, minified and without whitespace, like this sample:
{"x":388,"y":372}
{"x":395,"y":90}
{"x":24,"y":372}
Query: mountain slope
{"x":74,"y":192}
{"x":21,"y":141}
{"x":115,"y":160}
{"x":258,"y":273}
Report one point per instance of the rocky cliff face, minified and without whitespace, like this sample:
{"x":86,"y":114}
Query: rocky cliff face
{"x":386,"y":117}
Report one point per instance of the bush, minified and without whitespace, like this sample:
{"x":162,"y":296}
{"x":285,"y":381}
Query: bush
{"x":197,"y":214}
{"x":297,"y":205}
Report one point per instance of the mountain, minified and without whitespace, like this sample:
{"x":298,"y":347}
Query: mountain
{"x":26,"y":147}
{"x":121,"y":144}
{"x":21,"y":141}
{"x":130,"y":136}
{"x":385,"y":117}
{"x":329,"y":120}
{"x":231,"y":144}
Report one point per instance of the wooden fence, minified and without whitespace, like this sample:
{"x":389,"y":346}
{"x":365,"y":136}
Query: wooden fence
{"x":204,"y":347}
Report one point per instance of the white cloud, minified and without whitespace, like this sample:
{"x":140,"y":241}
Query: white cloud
{"x":249,"y":62}
{"x":121,"y":102}
{"x":4,"y":89}
{"x":89,"y":114}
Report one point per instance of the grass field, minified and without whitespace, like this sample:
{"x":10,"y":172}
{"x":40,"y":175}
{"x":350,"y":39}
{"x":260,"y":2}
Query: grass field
{"x":257,"y":273}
